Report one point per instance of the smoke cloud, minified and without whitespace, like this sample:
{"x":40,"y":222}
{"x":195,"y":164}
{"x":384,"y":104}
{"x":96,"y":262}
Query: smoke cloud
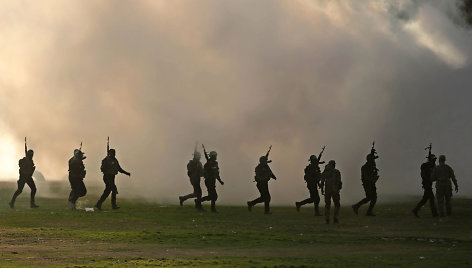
{"x":157,"y":76}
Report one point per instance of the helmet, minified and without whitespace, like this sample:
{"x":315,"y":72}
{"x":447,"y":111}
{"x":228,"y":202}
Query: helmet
{"x":371,"y":157}
{"x":213,"y":154}
{"x":313,"y":158}
{"x":263,"y":159}
{"x":332,"y":163}
{"x":197,"y":155}
{"x":432,"y":157}
{"x":442,"y":158}
{"x":78,"y":153}
{"x":30,"y":153}
{"x":112,"y":152}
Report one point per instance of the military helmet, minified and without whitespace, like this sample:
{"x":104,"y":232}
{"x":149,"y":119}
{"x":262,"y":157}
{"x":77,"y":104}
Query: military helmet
{"x":371,"y":157}
{"x":432,"y":157}
{"x":78,"y":153}
{"x":112,"y":152}
{"x":332,"y":163}
{"x":263,"y":159}
{"x":213,"y":154}
{"x":30,"y":153}
{"x":313,"y":158}
{"x":442,"y":158}
{"x":197,"y":155}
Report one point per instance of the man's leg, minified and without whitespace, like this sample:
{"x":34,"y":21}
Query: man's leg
{"x":432,"y":202}
{"x":316,"y":200}
{"x":448,"y":200}
{"x":21,"y":185}
{"x":337,"y":206}
{"x":440,"y":196}
{"x":423,"y":201}
{"x":372,"y":195}
{"x":327,"y":206}
{"x":309,"y":200}
{"x":32,"y":186}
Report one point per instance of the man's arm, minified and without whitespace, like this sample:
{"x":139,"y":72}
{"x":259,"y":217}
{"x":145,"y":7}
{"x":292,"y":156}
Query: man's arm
{"x":122,"y":170}
{"x":454,"y":180}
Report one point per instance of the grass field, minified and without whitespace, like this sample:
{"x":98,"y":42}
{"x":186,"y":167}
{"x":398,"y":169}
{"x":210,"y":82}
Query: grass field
{"x":146,"y":234}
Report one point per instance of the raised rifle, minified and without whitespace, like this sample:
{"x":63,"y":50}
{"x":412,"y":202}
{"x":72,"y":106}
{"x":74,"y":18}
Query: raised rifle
{"x":26,"y":147}
{"x":320,"y":155}
{"x":429,"y":150}
{"x":205,"y":152}
{"x":373,"y":152}
{"x":80,"y":149}
{"x":267,"y":154}
{"x":108,"y":145}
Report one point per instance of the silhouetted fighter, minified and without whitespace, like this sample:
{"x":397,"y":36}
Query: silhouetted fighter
{"x":194,"y":172}
{"x":211,"y":172}
{"x":428,"y":195}
{"x":263,"y":175}
{"x":27,"y":168}
{"x":369,"y":176}
{"x":110,"y":168}
{"x":332,"y":184}
{"x":442,"y":175}
{"x":76,"y":178}
{"x":312,"y":178}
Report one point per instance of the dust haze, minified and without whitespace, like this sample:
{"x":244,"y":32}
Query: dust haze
{"x":238,"y":76}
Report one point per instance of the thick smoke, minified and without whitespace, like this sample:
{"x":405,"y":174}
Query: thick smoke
{"x":156,"y":76}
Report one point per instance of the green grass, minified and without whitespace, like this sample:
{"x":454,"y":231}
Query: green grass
{"x":147,"y":234}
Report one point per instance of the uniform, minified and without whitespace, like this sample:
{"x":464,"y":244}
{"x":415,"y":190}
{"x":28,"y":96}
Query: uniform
{"x":263,"y":175}
{"x":331,"y":181}
{"x":194,"y":172}
{"x":110,"y":168}
{"x":443,"y":174}
{"x":76,"y":178}
{"x":369,"y":176}
{"x":428,"y":195}
{"x":27,"y":169}
{"x":312,"y":178}
{"x":211,"y":172}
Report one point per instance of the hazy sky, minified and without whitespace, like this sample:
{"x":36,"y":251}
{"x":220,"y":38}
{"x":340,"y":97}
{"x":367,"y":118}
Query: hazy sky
{"x":157,"y":76}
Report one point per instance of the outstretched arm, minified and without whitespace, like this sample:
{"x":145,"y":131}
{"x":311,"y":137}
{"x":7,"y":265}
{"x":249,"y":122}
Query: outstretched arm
{"x":122,"y":170}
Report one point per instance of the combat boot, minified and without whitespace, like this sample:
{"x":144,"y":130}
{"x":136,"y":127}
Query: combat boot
{"x":415,"y":212}
{"x":98,"y":206}
{"x":181,"y":200}
{"x":72,"y":205}
{"x":249,"y":206}
{"x":115,"y":207}
{"x":12,"y":204}
{"x":297,"y":205}
{"x":336,"y":221}
{"x":355,"y":209}
{"x":213,"y":207}
{"x":317,"y":210}
{"x":33,"y":205}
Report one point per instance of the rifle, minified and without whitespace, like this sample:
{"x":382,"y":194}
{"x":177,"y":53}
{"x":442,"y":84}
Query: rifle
{"x":373,"y":151}
{"x":108,"y":144}
{"x":80,"y":149}
{"x":267,"y":154}
{"x":429,"y":148}
{"x":205,"y":152}
{"x":26,"y":147}
{"x":321,"y":154}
